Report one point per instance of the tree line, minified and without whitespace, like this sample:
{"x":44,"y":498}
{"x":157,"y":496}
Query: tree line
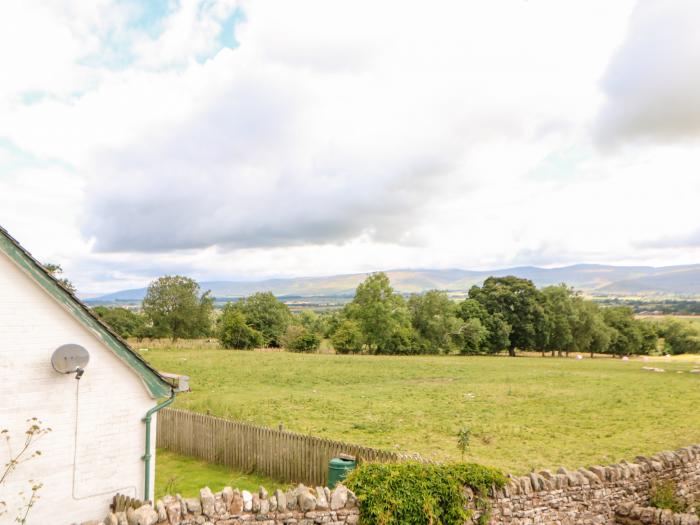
{"x":503,"y":314}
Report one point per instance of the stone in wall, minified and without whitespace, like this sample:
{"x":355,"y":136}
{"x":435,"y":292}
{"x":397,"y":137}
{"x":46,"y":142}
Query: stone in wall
{"x":631,"y":514}
{"x":232,"y":507}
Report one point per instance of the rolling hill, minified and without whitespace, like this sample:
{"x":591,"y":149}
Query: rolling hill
{"x":589,"y":278}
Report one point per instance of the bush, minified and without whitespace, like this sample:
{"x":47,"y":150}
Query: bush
{"x":347,"y":338}
{"x":419,"y":494}
{"x":299,"y":339}
{"x":663,"y":496}
{"x":123,"y":321}
{"x":234,"y":331}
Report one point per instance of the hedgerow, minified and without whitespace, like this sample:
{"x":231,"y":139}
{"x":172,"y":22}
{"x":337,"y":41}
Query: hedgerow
{"x":420,"y":494}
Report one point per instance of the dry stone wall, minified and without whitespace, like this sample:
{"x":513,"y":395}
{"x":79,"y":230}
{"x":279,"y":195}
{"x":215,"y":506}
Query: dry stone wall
{"x":299,"y":506}
{"x":598,"y":495}
{"x":592,"y":495}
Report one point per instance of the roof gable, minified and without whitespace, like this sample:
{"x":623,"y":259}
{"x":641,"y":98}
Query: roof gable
{"x":156,"y":385}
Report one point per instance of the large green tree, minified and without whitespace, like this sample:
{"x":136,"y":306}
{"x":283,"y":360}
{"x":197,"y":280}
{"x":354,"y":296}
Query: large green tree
{"x":680,"y":337}
{"x":560,"y":317}
{"x":627,"y":337}
{"x":177,"y":308}
{"x":433,"y":316}
{"x":268,"y":315}
{"x":519,"y":303}
{"x":590,"y":333}
{"x":491,"y":334}
{"x":383,"y":317}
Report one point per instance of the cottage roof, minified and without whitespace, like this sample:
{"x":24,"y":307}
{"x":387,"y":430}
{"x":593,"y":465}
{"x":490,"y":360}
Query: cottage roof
{"x":156,"y":384}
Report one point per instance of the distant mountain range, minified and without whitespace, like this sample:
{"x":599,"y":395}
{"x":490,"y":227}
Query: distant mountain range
{"x":593,"y":279}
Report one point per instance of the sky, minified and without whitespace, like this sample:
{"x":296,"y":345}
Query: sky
{"x":240,"y":140}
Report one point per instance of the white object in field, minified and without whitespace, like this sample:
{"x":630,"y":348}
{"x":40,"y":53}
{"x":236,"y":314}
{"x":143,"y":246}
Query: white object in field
{"x":579,"y":356}
{"x":645,"y":358}
{"x":625,"y":358}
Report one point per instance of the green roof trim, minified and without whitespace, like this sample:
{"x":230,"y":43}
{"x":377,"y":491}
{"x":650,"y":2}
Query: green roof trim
{"x":156,"y":385}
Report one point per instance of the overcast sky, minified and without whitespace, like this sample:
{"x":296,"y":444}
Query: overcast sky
{"x":228,"y":139}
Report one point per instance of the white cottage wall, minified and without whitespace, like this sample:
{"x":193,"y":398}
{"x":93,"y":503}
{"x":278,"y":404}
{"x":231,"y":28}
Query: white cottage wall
{"x":97,"y":440}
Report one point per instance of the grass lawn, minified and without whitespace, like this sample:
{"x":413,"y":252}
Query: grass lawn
{"x":524,"y":413}
{"x":183,"y":475}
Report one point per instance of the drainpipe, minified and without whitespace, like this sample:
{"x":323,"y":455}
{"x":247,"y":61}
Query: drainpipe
{"x":147,"y":455}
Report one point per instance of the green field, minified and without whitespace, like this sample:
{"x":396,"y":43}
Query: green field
{"x":177,"y":474}
{"x":524,"y":413}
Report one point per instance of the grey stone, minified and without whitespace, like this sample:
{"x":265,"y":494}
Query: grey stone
{"x":208,"y":502}
{"x":160,"y":509}
{"x":262,"y":492}
{"x":281,"y":500}
{"x":352,"y":500}
{"x":291,"y":496}
{"x":264,"y":506}
{"x":194,"y":506}
{"x":247,"y":501}
{"x":306,"y":501}
{"x":131,"y":516}
{"x":339,"y":497}
{"x":145,"y":515}
{"x":227,"y":496}
{"x":174,"y":513}
{"x":321,"y":501}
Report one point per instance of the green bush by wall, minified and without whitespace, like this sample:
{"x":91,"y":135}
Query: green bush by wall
{"x":420,"y":494}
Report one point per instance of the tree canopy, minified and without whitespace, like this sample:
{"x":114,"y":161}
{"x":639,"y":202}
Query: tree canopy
{"x":177,"y":308}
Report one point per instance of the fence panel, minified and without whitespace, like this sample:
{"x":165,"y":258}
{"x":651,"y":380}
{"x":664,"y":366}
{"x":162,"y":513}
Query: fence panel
{"x":279,"y":454}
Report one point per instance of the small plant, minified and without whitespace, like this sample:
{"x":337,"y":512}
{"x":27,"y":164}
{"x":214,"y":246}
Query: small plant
{"x":34,"y":431}
{"x":463,"y":438}
{"x":663,"y":496}
{"x":171,"y":484}
{"x":28,"y":503}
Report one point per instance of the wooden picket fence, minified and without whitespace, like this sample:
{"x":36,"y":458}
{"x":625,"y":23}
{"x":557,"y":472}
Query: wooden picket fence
{"x":285,"y":456}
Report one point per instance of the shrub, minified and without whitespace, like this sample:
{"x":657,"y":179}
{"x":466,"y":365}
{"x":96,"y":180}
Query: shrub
{"x":663,"y":496}
{"x":347,"y":338}
{"x":299,"y":339}
{"x":419,"y":494}
{"x":234,"y":332}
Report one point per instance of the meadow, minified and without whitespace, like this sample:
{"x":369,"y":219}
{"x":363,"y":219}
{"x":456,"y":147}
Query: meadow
{"x":176,"y":474}
{"x":523,"y":413}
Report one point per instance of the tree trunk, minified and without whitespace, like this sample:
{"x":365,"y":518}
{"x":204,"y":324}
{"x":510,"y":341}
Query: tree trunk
{"x":511,"y":352}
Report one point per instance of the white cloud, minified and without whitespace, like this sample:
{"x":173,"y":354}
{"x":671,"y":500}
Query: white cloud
{"x":652,"y":86}
{"x":338,"y":137}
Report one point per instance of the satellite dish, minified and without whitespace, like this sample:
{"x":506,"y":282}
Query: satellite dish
{"x":70,"y":359}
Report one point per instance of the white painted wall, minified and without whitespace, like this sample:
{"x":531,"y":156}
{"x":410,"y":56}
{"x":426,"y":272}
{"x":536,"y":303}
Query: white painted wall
{"x":107,"y":404}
